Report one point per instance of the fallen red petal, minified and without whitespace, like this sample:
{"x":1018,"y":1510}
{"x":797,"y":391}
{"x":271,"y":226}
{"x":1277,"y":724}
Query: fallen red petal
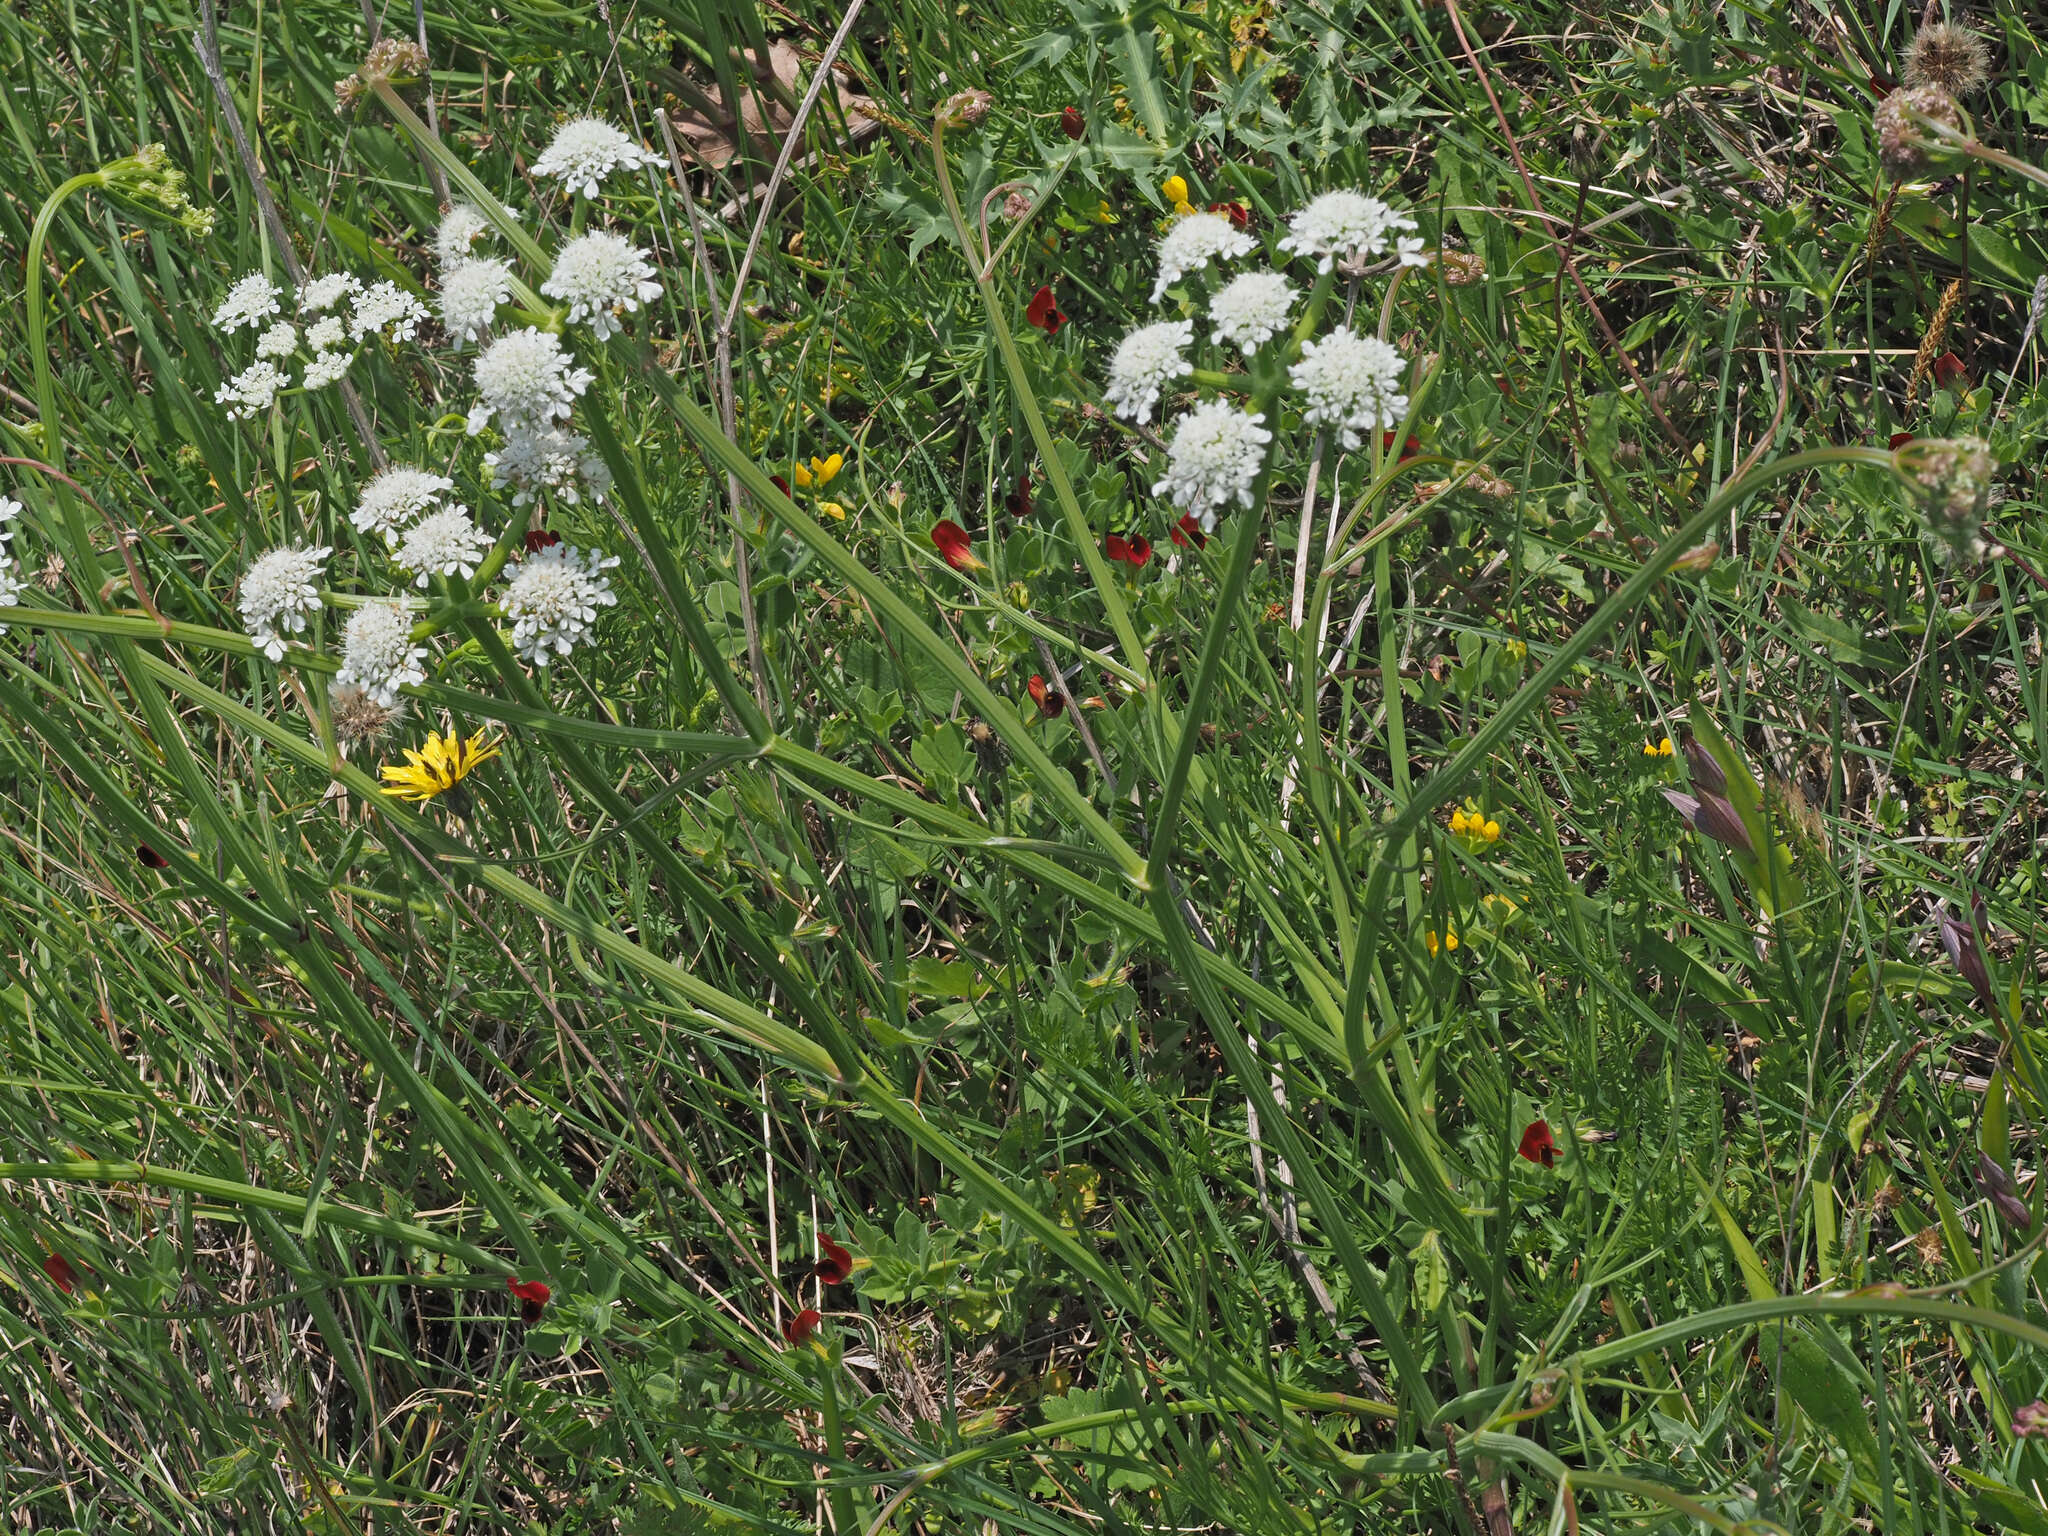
{"x":61,"y":1274}
{"x":837,"y":1263}
{"x":1538,"y":1145}
{"x":1947,"y":369}
{"x":798,"y":1328}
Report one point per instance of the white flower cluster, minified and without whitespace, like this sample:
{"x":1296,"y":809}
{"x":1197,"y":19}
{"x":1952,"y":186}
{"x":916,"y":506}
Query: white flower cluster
{"x":323,"y":293}
{"x":445,"y":542}
{"x":1251,"y":310}
{"x":253,"y":300}
{"x":471,"y":292}
{"x":397,"y":496}
{"x":10,"y":573}
{"x":461,"y":226}
{"x":548,"y":460}
{"x":1195,"y":240}
{"x":585,"y":150}
{"x":601,"y":276}
{"x":553,"y":598}
{"x":527,"y":382}
{"x":252,"y":391}
{"x":377,"y":653}
{"x":1351,"y":383}
{"x":1343,"y":226}
{"x":1146,"y":362}
{"x":250,"y":302}
{"x":388,"y":310}
{"x":280,"y":591}
{"x":1216,"y":454}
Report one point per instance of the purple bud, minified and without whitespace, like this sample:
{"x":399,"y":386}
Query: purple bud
{"x":1960,"y":940}
{"x":1706,"y":773}
{"x":1718,"y":820}
{"x":1684,"y":804}
{"x":1996,"y":1185}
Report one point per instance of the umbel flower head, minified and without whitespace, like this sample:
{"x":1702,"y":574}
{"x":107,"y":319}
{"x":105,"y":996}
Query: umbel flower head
{"x":445,"y":542}
{"x":359,"y":718}
{"x":461,"y":227}
{"x":526,"y":380}
{"x":252,"y":391}
{"x":1342,"y":226}
{"x":323,"y":293}
{"x":1252,"y":309}
{"x":550,"y":460}
{"x":279,"y":592}
{"x":1950,"y":57}
{"x":553,"y":598}
{"x":386,"y":309}
{"x":250,"y":302}
{"x":399,"y":494}
{"x":601,"y":276}
{"x":471,"y":292}
{"x":1902,"y":142}
{"x":1195,"y":240}
{"x":279,"y":342}
{"x":585,"y":150}
{"x":1216,"y":454}
{"x":438,"y":767}
{"x":1146,"y":362}
{"x":1350,"y":383}
{"x":377,"y":653}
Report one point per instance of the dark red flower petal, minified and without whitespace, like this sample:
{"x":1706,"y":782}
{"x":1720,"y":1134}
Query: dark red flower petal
{"x":798,"y":1328}
{"x":1050,"y":701}
{"x":1037,"y":689}
{"x":1018,"y":502}
{"x":1134,"y":550}
{"x":1141,"y":550}
{"x":781,"y":484}
{"x":952,"y":542}
{"x":144,"y":854}
{"x":1408,"y":449}
{"x":61,"y":1274}
{"x":837,"y":1263}
{"x":533,"y":1295}
{"x":1538,"y":1145}
{"x":1044,"y":312}
{"x":1189,"y":531}
{"x":1947,"y":369}
{"x":1072,"y":123}
{"x":1237,"y":213}
{"x":1900,"y":439}
{"x":1115,"y":547}
{"x":538,"y":539}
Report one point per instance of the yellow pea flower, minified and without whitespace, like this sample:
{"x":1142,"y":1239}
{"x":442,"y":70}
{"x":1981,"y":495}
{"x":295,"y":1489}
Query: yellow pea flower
{"x":1447,"y":944}
{"x":1175,"y":190}
{"x":1103,"y":215}
{"x":1490,"y":831}
{"x":832,"y":509}
{"x":437,"y":767}
{"x":1459,"y":821}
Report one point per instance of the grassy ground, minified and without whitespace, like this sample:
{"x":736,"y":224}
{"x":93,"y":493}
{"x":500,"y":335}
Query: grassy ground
{"x":1169,"y":1056}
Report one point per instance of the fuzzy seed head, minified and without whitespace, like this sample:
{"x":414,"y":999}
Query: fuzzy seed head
{"x":1949,"y":57}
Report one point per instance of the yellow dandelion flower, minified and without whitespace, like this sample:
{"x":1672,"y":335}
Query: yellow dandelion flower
{"x":437,"y":767}
{"x":1175,"y":190}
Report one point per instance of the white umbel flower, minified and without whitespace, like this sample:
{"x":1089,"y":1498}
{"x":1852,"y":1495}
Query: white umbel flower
{"x":281,"y":340}
{"x":377,"y":653}
{"x":471,"y":292}
{"x":526,"y":382}
{"x":398,"y":495}
{"x":548,"y":460}
{"x":1145,"y":363}
{"x":1251,"y":310}
{"x":388,"y":309}
{"x":461,"y":226}
{"x":445,"y":542}
{"x":250,"y":302}
{"x":279,"y":592}
{"x":327,"y":334}
{"x":601,"y":276}
{"x":10,"y":514}
{"x":553,"y":598}
{"x":323,"y":293}
{"x":326,"y":368}
{"x":252,"y":391}
{"x":1409,"y":250}
{"x":1216,"y":454}
{"x":1351,"y":383}
{"x":1195,"y":240}
{"x":1342,"y":225}
{"x":588,"y":149}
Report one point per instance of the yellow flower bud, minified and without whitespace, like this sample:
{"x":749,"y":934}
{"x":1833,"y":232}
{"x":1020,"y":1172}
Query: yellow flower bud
{"x":1175,"y":190}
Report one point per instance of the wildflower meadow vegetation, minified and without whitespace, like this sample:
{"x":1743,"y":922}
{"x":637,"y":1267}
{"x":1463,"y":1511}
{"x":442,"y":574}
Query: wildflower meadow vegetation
{"x":1066,"y":768}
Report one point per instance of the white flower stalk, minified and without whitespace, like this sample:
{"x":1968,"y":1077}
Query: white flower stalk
{"x":1342,"y":226}
{"x":377,"y":653}
{"x":326,"y":368}
{"x":251,"y":392}
{"x":280,"y":341}
{"x":279,"y":592}
{"x":250,"y":302}
{"x":526,"y":381}
{"x":1351,"y":383}
{"x":396,"y":497}
{"x":461,"y":227}
{"x":323,"y":293}
{"x":1251,"y":310}
{"x":1146,"y":362}
{"x":446,"y":542}
{"x":389,"y":310}
{"x":549,"y":460}
{"x":1216,"y":454}
{"x":471,"y":292}
{"x":1195,"y":240}
{"x":585,"y":150}
{"x":601,"y":276}
{"x":553,"y":598}
{"x":327,"y":334}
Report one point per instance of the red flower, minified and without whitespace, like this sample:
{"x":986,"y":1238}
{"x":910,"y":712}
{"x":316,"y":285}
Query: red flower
{"x":1408,"y":449}
{"x":61,"y":1274}
{"x":538,"y":539}
{"x":144,"y":854}
{"x":1538,"y":1145}
{"x":1134,"y":549}
{"x":952,"y":542}
{"x":1044,"y":312}
{"x":837,"y":1263}
{"x":533,"y":1296}
{"x":781,"y":484}
{"x":1189,"y":531}
{"x":1050,"y":701}
{"x":1947,"y":369}
{"x":1072,"y":123}
{"x":798,"y":1328}
{"x":1900,"y":439}
{"x":1237,"y":213}
{"x":1018,"y":502}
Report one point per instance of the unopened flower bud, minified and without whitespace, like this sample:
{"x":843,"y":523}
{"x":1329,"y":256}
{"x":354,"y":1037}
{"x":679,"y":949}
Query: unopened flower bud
{"x":1996,"y":1185}
{"x":1959,"y":939}
{"x":1706,"y":769}
{"x":963,"y":109}
{"x":393,"y":58}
